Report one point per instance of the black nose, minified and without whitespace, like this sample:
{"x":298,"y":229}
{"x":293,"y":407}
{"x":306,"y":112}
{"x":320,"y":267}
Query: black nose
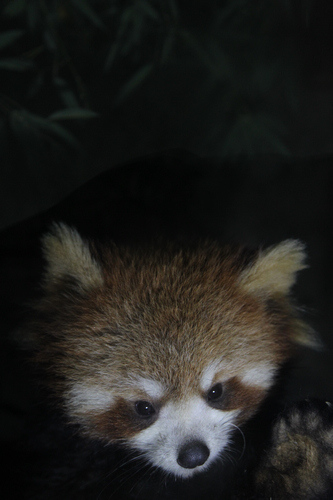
{"x":192,"y":454}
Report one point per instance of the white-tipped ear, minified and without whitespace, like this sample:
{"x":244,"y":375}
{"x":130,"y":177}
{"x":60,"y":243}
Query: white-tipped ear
{"x":68,"y":256}
{"x":274,"y":270}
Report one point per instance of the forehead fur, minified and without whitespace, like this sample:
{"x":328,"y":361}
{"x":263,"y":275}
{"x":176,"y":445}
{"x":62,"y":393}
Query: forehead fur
{"x":165,"y":314}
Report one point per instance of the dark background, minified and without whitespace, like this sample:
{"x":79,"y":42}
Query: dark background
{"x":189,"y":119}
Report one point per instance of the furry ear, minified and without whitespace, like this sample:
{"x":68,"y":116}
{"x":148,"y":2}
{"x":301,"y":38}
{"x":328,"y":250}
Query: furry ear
{"x":69,"y":257}
{"x":274,"y":270}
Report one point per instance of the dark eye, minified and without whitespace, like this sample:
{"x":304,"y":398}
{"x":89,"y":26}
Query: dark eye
{"x":215,"y":392}
{"x":144,"y":409}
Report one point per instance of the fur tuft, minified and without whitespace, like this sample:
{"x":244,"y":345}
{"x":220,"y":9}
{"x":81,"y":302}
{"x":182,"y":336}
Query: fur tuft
{"x":69,"y":257}
{"x":274,"y":271}
{"x":273,"y":274}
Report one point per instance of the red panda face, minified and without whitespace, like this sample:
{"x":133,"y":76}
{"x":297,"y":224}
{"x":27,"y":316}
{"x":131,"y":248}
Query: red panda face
{"x":167,"y":352}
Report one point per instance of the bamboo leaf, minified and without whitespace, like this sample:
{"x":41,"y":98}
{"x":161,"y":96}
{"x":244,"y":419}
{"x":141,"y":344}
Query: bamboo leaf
{"x":231,"y":8}
{"x":33,"y":15}
{"x":15,"y":8}
{"x":9,"y":37}
{"x":73,"y":114}
{"x":167,"y":47}
{"x":148,"y":9}
{"x":213,"y":58}
{"x":32,"y":125}
{"x":111,"y":56}
{"x":15,"y":64}
{"x":53,"y":128}
{"x":125,"y":20}
{"x":68,"y":97}
{"x":85,"y":9}
{"x":252,"y":134}
{"x":174,"y":9}
{"x":36,"y":85}
{"x":133,"y":83}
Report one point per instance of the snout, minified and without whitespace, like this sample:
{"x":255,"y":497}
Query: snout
{"x":192,"y":454}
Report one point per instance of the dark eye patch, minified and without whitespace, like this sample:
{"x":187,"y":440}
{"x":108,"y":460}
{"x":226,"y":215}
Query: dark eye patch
{"x":124,"y":420}
{"x":235,"y":395}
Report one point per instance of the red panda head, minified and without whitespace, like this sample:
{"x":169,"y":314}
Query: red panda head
{"x":164,"y":350}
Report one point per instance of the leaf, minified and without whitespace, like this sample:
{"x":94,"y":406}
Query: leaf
{"x":134,"y":82}
{"x":15,"y":64}
{"x":14,"y":8}
{"x":48,"y":126}
{"x":174,"y":9}
{"x":167,"y":47}
{"x":8,"y":37}
{"x":231,"y":8}
{"x":126,"y":18}
{"x":111,"y":56}
{"x":28,"y":124}
{"x":252,"y":134}
{"x":73,"y":114}
{"x":213,"y":58}
{"x":85,"y":9}
{"x":36,"y":85}
{"x":68,"y":97}
{"x":49,"y":40}
{"x":33,"y":15}
{"x":148,"y":9}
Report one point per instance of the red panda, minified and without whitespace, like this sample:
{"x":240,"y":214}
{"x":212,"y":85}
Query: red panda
{"x":166,"y":351}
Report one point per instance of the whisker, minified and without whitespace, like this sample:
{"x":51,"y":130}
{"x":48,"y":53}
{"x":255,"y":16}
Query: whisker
{"x":119,"y":479}
{"x":244,"y":440}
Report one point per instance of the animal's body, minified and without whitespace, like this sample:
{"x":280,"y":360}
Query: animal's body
{"x":167,"y":352}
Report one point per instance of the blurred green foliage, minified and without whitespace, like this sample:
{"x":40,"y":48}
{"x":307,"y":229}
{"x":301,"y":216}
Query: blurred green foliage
{"x":217,"y":77}
{"x":238,"y":51}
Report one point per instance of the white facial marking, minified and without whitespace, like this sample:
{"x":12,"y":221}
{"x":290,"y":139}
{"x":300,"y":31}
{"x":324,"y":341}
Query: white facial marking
{"x":179,"y":423}
{"x":209,"y":374}
{"x":261,"y":375}
{"x":152,"y":388}
{"x":86,"y":398}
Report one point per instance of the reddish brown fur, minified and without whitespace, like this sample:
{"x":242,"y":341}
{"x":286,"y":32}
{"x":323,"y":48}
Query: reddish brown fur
{"x":119,"y":423}
{"x":164,"y":314}
{"x":148,"y":299}
{"x":242,"y":396}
